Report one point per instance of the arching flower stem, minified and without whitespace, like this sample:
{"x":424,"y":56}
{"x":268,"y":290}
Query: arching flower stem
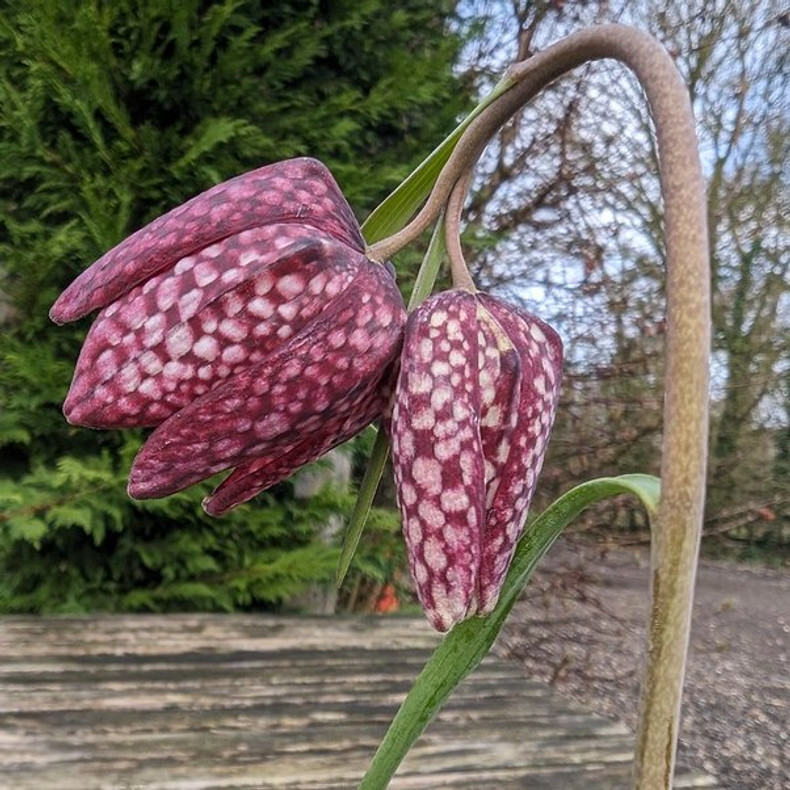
{"x":452,"y":226}
{"x":678,"y":527}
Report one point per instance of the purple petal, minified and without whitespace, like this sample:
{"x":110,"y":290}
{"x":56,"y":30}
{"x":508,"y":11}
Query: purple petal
{"x":437,"y":454}
{"x":540,"y":353}
{"x":213,"y":315}
{"x":357,"y":410}
{"x":500,"y":372}
{"x":297,"y":190}
{"x":293,"y":391}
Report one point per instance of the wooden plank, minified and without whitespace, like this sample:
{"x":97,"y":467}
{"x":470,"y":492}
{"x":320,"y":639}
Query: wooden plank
{"x":205,"y":702}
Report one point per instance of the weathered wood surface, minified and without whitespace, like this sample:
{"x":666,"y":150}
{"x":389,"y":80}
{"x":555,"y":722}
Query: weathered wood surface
{"x":203,"y":702}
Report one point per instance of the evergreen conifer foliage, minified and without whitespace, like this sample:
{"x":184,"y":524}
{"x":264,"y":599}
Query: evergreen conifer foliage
{"x":111,"y":114}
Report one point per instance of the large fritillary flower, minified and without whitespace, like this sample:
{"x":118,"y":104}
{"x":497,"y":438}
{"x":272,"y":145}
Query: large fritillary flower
{"x":246,"y":325}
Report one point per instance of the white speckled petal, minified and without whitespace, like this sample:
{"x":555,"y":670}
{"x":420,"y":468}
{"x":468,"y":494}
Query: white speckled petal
{"x":473,"y":407}
{"x":184,"y":332}
{"x":500,"y":371}
{"x":437,"y":454}
{"x":301,"y":191}
{"x":539,"y":350}
{"x":355,"y":410}
{"x":305,"y":389}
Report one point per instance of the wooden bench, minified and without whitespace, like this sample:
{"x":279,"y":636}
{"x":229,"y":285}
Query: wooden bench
{"x":234,"y":702}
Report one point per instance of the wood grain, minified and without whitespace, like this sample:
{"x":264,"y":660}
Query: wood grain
{"x":207,"y":702}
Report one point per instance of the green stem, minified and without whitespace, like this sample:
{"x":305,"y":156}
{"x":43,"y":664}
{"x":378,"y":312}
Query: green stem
{"x":470,"y":641}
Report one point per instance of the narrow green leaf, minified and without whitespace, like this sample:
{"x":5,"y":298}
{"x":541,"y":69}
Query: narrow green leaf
{"x":469,"y":642}
{"x":359,"y":516}
{"x":401,"y":204}
{"x":429,"y":268}
{"x":423,"y":285}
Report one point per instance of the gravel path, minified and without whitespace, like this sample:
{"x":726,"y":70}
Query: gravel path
{"x":581,"y":628}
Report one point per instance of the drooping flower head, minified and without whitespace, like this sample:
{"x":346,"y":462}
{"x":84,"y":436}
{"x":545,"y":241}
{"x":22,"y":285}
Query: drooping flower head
{"x":474,"y":404}
{"x":247,"y":324}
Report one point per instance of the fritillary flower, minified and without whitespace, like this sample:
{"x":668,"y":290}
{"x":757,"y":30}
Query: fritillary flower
{"x":247,"y":326}
{"x":473,"y":408}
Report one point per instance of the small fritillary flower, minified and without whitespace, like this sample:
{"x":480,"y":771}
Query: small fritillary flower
{"x":247,"y":325}
{"x":473,"y":408}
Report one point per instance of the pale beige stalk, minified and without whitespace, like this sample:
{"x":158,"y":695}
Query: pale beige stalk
{"x":678,"y":526}
{"x":452,"y":229}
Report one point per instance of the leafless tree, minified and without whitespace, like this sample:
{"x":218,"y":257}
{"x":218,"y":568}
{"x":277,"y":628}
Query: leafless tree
{"x":566,"y":215}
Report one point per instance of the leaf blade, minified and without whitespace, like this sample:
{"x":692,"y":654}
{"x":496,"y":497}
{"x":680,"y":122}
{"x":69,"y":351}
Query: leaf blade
{"x":399,"y":206}
{"x":367,"y":491}
{"x":469,"y":642}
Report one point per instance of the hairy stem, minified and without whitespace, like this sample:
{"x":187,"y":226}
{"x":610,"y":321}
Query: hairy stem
{"x":678,"y":527}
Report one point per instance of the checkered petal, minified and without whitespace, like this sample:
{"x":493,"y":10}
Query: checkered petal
{"x":438,"y":456}
{"x":300,"y":191}
{"x":212,"y":316}
{"x":539,"y":350}
{"x":473,"y":407}
{"x":307,"y":390}
{"x":356,"y":410}
{"x":247,"y":326}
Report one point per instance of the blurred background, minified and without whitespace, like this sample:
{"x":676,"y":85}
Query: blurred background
{"x":113,"y":113}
